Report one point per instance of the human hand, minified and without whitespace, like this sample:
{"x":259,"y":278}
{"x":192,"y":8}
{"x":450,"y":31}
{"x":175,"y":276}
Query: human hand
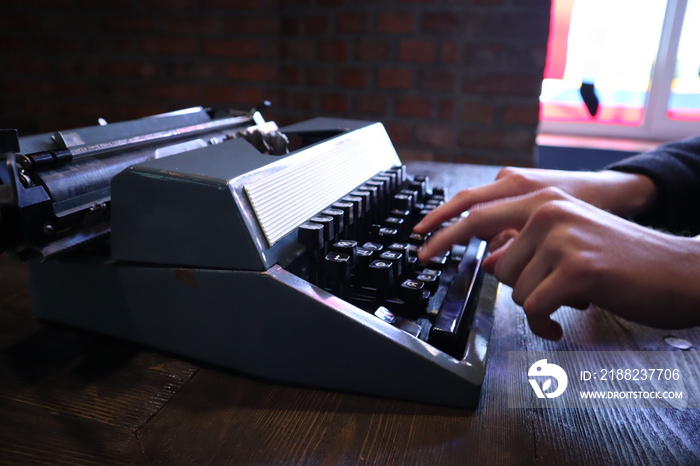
{"x":623,"y":194}
{"x":569,"y":253}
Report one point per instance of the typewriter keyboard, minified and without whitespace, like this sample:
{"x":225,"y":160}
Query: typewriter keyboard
{"x":363,"y":250}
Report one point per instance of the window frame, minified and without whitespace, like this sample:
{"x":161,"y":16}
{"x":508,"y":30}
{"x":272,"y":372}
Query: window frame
{"x":655,"y":123}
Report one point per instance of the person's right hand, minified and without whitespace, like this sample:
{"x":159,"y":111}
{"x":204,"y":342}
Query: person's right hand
{"x":567,"y":252}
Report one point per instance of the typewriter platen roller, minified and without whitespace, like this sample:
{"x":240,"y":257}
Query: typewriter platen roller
{"x":298,"y":268}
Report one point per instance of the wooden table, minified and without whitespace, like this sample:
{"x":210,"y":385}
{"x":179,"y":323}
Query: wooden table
{"x":73,"y":397}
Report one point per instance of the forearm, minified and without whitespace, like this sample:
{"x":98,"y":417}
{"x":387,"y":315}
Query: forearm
{"x":623,"y":194}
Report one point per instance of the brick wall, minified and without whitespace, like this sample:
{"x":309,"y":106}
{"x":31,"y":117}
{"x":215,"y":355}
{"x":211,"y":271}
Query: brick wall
{"x":452,"y":80}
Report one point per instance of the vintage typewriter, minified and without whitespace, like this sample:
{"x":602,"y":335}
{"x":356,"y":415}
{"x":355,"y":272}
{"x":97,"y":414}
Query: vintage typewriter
{"x":285,"y":253}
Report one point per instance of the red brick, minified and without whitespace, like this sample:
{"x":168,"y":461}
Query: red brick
{"x":477,"y":112}
{"x":333,"y":50}
{"x":413,"y":107}
{"x":335,"y":103}
{"x":372,"y":50}
{"x":292,"y":74}
{"x":435,"y":79}
{"x":26,"y":65}
{"x":131,"y":23}
{"x":199,"y":70}
{"x":413,"y":153}
{"x":298,"y":100}
{"x":446,"y":109}
{"x":317,"y":24}
{"x":520,"y":140}
{"x":528,"y":25}
{"x":319,"y":76}
{"x":170,"y":46}
{"x":64,"y":21}
{"x":244,"y":48}
{"x":257,"y":72}
{"x":392,"y":22}
{"x":371,"y":103}
{"x":352,"y":23}
{"x":292,"y":25}
{"x":236,"y":5}
{"x":449,"y":52}
{"x":394,"y":78}
{"x":417,"y":51}
{"x":433,"y":135}
{"x":182,"y":25}
{"x":302,"y":50}
{"x":352,"y":77}
{"x":130,"y":69}
{"x":115,"y":45}
{"x":522,"y":114}
{"x":169,"y":4}
{"x":399,"y":133}
{"x":502,"y":83}
{"x":234,"y":95}
{"x":172,"y":91}
{"x":445,"y":22}
{"x":251,"y":24}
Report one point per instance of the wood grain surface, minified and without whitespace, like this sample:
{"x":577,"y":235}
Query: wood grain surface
{"x":74,"y":397}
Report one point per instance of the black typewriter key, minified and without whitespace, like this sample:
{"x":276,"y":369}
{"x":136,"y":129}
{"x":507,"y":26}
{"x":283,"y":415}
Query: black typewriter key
{"x":364,"y":257}
{"x":358,"y":213}
{"x":385,"y":181}
{"x":346,"y":246}
{"x":423,"y":213}
{"x":420,"y":184}
{"x":392,"y":179}
{"x":400,"y":171}
{"x":434,"y":272}
{"x":402,"y":248}
{"x":403,"y":201}
{"x":373,"y":246}
{"x":395,"y":223}
{"x":361,"y":270}
{"x":366,"y":199}
{"x":311,"y":236}
{"x":412,"y":263}
{"x":383,"y":190}
{"x":440,"y":191}
{"x":377,"y":187}
{"x":387,"y":236}
{"x":372,"y":200}
{"x":417,"y":238}
{"x":338,"y":217}
{"x":348,"y":212}
{"x":337,"y":273}
{"x":415,"y":298}
{"x":373,"y":232}
{"x":396,"y":258}
{"x":400,"y":213}
{"x":438,"y":262}
{"x":381,"y":276}
{"x":430,"y":281}
{"x":328,"y":224}
{"x":357,"y":203}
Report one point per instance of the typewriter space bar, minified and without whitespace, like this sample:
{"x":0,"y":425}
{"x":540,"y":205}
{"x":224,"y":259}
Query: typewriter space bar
{"x":451,"y":326}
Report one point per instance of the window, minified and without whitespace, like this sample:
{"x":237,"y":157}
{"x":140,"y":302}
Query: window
{"x":623,"y":68}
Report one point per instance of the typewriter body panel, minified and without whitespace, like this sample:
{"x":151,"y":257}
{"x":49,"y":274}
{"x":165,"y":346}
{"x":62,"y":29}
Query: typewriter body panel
{"x":206,"y":260}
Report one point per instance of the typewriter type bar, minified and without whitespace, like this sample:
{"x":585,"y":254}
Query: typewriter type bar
{"x":298,"y":268}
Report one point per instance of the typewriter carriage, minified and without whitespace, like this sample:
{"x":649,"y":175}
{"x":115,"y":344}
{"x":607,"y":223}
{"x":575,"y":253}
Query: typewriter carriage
{"x":194,"y":267}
